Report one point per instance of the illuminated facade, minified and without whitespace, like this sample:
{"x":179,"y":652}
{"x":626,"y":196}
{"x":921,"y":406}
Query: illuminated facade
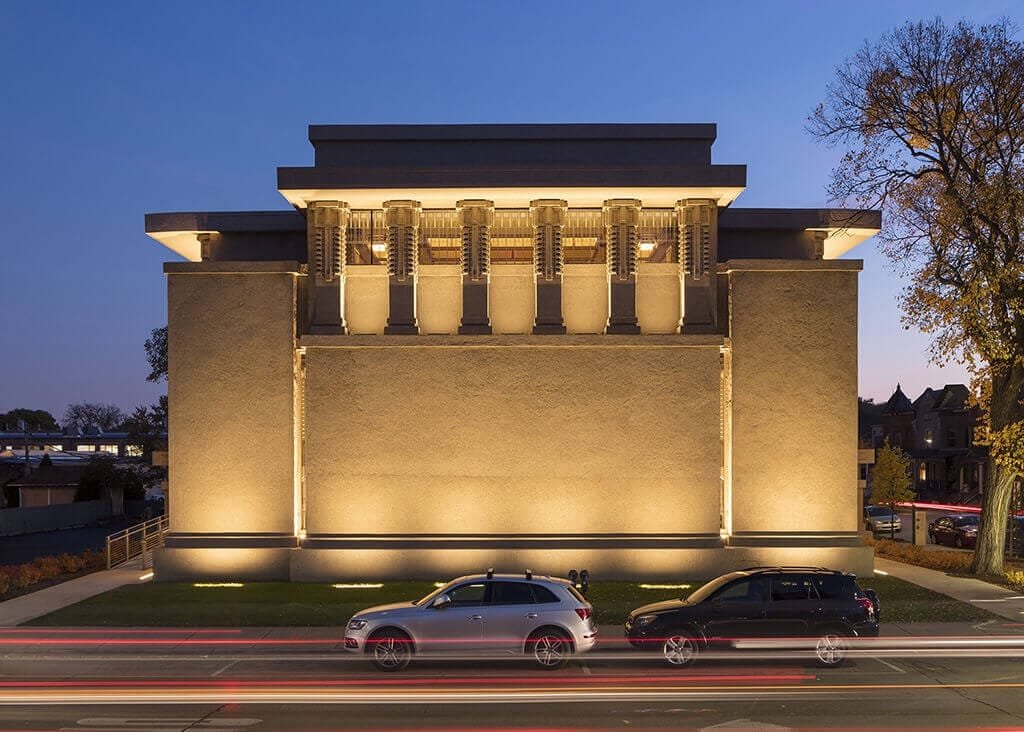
{"x":544,"y":346}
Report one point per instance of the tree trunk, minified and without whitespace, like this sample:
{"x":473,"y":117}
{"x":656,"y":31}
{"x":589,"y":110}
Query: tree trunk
{"x":1005,"y":409}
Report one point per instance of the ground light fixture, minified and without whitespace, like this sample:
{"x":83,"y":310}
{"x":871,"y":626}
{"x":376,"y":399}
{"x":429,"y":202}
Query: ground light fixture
{"x":665,"y":587}
{"x":358,"y":586}
{"x":217,"y":584}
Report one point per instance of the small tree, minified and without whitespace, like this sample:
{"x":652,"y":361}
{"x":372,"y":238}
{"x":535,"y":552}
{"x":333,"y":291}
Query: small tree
{"x":890,"y":480}
{"x":156,"y":354}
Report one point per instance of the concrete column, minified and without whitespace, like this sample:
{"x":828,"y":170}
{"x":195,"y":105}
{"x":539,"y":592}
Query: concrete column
{"x":621,"y":217}
{"x":402,"y":219}
{"x":476,"y":218}
{"x":548,"y":215}
{"x":698,"y":260}
{"x":326,"y":223}
{"x":207,"y":244}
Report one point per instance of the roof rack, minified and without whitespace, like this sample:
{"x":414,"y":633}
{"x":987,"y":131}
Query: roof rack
{"x":787,"y":567}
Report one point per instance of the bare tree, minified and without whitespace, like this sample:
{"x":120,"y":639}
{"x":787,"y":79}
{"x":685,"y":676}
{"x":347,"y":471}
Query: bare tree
{"x":86,"y":414}
{"x":931,"y":118}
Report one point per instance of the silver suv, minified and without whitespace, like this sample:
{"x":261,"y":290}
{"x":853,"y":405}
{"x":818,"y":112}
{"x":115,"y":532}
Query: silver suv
{"x":484,"y":615}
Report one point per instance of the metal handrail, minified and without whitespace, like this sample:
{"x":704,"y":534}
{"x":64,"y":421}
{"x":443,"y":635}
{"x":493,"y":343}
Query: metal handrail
{"x":136,"y":541}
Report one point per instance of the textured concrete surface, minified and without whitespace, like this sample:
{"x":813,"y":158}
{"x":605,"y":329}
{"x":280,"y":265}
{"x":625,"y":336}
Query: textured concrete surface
{"x":230,"y":389}
{"x":512,"y":298}
{"x":512,"y":439}
{"x":793,"y":327}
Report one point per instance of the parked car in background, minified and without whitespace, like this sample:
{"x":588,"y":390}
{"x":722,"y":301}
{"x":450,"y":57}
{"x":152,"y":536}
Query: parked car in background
{"x":959,"y":530}
{"x":1016,"y":541}
{"x":488,"y":615}
{"x":881,"y":519}
{"x":780,"y":603}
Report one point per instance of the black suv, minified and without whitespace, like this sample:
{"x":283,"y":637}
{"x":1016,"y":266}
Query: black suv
{"x":759,"y":602}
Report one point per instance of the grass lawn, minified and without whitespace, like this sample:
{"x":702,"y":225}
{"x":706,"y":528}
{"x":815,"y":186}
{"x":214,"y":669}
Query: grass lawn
{"x":295,"y":604}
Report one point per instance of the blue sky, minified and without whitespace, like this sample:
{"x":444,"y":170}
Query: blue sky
{"x":112,"y":110}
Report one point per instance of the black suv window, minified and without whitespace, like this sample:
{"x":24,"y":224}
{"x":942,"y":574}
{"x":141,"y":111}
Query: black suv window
{"x":835,"y":587}
{"x":511,"y":593}
{"x":792,"y":587}
{"x":744,"y":590}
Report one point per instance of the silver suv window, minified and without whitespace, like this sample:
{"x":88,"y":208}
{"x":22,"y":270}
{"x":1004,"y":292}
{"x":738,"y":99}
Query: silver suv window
{"x":468,"y":595}
{"x":511,"y":593}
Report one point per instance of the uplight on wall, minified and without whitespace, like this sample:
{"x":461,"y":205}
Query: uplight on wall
{"x":646,"y":247}
{"x":379,"y":248}
{"x":665,"y":587}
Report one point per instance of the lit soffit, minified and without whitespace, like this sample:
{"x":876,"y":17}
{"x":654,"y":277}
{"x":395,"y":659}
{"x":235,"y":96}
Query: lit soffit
{"x":185,"y":243}
{"x":652,"y":196}
{"x":840,"y":239}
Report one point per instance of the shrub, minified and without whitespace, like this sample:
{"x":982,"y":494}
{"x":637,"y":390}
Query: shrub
{"x":1015,"y":578}
{"x":28,"y":575}
{"x":49,"y":567}
{"x":71,"y":563}
{"x":5,"y":583}
{"x":938,"y":559}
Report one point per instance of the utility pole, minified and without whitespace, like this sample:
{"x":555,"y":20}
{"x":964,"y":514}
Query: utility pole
{"x":23,"y":426}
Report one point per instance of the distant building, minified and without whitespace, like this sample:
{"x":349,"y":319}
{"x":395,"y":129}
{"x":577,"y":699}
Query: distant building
{"x":937,"y":431}
{"x":90,"y":440}
{"x":49,"y":485}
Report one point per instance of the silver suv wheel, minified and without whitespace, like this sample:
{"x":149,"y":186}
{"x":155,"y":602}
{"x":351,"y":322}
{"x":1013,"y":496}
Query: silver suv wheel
{"x":391,"y":652}
{"x":550,"y":649}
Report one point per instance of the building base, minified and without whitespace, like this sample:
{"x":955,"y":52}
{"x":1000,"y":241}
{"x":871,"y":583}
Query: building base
{"x":662,"y":564}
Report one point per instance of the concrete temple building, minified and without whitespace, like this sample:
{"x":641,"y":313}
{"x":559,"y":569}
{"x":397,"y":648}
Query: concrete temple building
{"x":518,"y":346}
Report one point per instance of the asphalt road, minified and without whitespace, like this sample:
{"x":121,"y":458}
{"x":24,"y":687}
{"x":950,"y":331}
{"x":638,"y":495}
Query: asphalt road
{"x":54,"y":679}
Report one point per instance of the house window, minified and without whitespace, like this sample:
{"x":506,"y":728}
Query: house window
{"x":133,"y":450}
{"x":951,"y":438}
{"x":110,"y":449}
{"x":922,"y":472}
{"x":85,"y":448}
{"x":52,"y":448}
{"x":897,"y":439}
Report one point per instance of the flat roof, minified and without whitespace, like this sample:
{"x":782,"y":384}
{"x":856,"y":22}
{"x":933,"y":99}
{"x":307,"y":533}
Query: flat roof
{"x":581,"y":131}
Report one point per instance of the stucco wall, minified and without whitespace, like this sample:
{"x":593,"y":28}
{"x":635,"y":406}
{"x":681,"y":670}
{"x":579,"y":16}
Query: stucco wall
{"x":794,"y":396}
{"x":230,"y":392}
{"x":513,"y":298}
{"x":512,"y":435}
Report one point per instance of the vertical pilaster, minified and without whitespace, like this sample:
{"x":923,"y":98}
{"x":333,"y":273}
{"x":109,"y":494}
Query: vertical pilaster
{"x":621,"y":218}
{"x":698,"y":261}
{"x":476,"y":218}
{"x":548,"y":216}
{"x":402,"y":219}
{"x":326,"y":222}
{"x":207,"y":244}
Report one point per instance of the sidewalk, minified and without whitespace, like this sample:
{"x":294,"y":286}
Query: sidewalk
{"x":42,"y":602}
{"x":995,"y":599}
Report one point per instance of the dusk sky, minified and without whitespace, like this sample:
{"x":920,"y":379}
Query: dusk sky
{"x":112,"y":110}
